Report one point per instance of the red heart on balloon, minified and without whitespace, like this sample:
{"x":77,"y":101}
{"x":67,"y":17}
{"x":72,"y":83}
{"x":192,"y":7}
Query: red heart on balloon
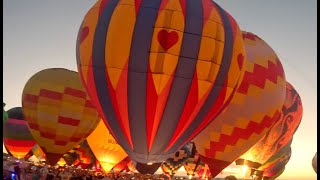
{"x":84,"y":33}
{"x":167,"y":39}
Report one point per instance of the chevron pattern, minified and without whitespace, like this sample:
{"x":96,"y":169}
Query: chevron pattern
{"x":254,"y":108}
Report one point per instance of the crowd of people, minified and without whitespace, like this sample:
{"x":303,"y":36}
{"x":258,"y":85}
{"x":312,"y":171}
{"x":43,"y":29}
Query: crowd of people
{"x":33,"y":172}
{"x":16,"y":170}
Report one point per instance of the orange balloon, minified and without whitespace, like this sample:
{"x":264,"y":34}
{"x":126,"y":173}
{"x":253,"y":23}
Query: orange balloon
{"x":105,"y":148}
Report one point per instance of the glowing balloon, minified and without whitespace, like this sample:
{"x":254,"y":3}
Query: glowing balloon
{"x":174,"y":163}
{"x":61,"y":162}
{"x":193,"y":163}
{"x":314,"y":163}
{"x":277,"y":166}
{"x":105,"y":148}
{"x":131,"y":166}
{"x":122,"y":165}
{"x":16,"y":135}
{"x":59,"y":113}
{"x":158,"y":71}
{"x":85,"y":154}
{"x":281,"y":132}
{"x":254,"y":108}
{"x":204,"y":173}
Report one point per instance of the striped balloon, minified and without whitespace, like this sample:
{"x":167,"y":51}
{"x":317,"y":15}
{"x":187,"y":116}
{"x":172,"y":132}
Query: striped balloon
{"x":16,"y":135}
{"x":254,"y":108}
{"x":158,"y":71}
{"x":58,"y":111}
{"x":281,"y":132}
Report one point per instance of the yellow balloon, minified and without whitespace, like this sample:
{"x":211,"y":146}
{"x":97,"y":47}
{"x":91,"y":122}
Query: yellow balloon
{"x":61,"y":162}
{"x":105,"y":148}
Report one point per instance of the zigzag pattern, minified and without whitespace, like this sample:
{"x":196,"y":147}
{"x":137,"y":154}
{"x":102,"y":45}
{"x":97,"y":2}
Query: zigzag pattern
{"x":264,"y":74}
{"x":240,"y":134}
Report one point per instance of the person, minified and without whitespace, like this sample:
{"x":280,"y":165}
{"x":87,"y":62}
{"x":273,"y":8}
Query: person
{"x":231,"y":177}
{"x":50,"y":175}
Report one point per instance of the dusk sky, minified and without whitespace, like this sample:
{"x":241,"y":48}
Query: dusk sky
{"x":40,"y":34}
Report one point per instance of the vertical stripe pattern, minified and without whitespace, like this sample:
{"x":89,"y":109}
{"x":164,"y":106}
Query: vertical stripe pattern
{"x":183,"y":75}
{"x":176,"y":68}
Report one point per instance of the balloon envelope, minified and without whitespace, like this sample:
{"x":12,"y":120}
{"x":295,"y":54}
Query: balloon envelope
{"x":281,"y":132}
{"x":254,"y":108}
{"x":58,"y":111}
{"x":174,"y":163}
{"x":122,"y":165}
{"x":204,"y":172}
{"x":193,"y":163}
{"x":16,"y":135}
{"x":105,"y":148}
{"x":158,"y":71}
{"x":278,"y":166}
{"x":85,"y":154}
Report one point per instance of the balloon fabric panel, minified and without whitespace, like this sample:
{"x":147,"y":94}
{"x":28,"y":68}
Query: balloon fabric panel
{"x":158,"y":66}
{"x":59,"y":113}
{"x":245,"y":119}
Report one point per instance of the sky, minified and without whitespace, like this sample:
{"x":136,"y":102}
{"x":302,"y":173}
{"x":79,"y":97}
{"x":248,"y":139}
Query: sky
{"x":40,"y":34}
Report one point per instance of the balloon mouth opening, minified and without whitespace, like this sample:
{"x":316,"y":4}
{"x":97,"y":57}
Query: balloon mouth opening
{"x":149,"y":164}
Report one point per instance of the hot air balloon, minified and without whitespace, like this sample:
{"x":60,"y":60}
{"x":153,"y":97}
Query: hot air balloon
{"x":193,"y":163}
{"x":61,"y":162}
{"x":131,"y":166}
{"x":38,"y":153}
{"x":274,"y":160}
{"x":122,"y":165}
{"x":204,"y":173}
{"x":281,"y":132}
{"x":85,"y":154}
{"x":58,"y":111}
{"x":274,"y":169}
{"x":5,"y":114}
{"x":174,"y":163}
{"x":158,"y":71}
{"x":16,"y":135}
{"x":254,"y":108}
{"x":314,"y":163}
{"x":105,"y":148}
